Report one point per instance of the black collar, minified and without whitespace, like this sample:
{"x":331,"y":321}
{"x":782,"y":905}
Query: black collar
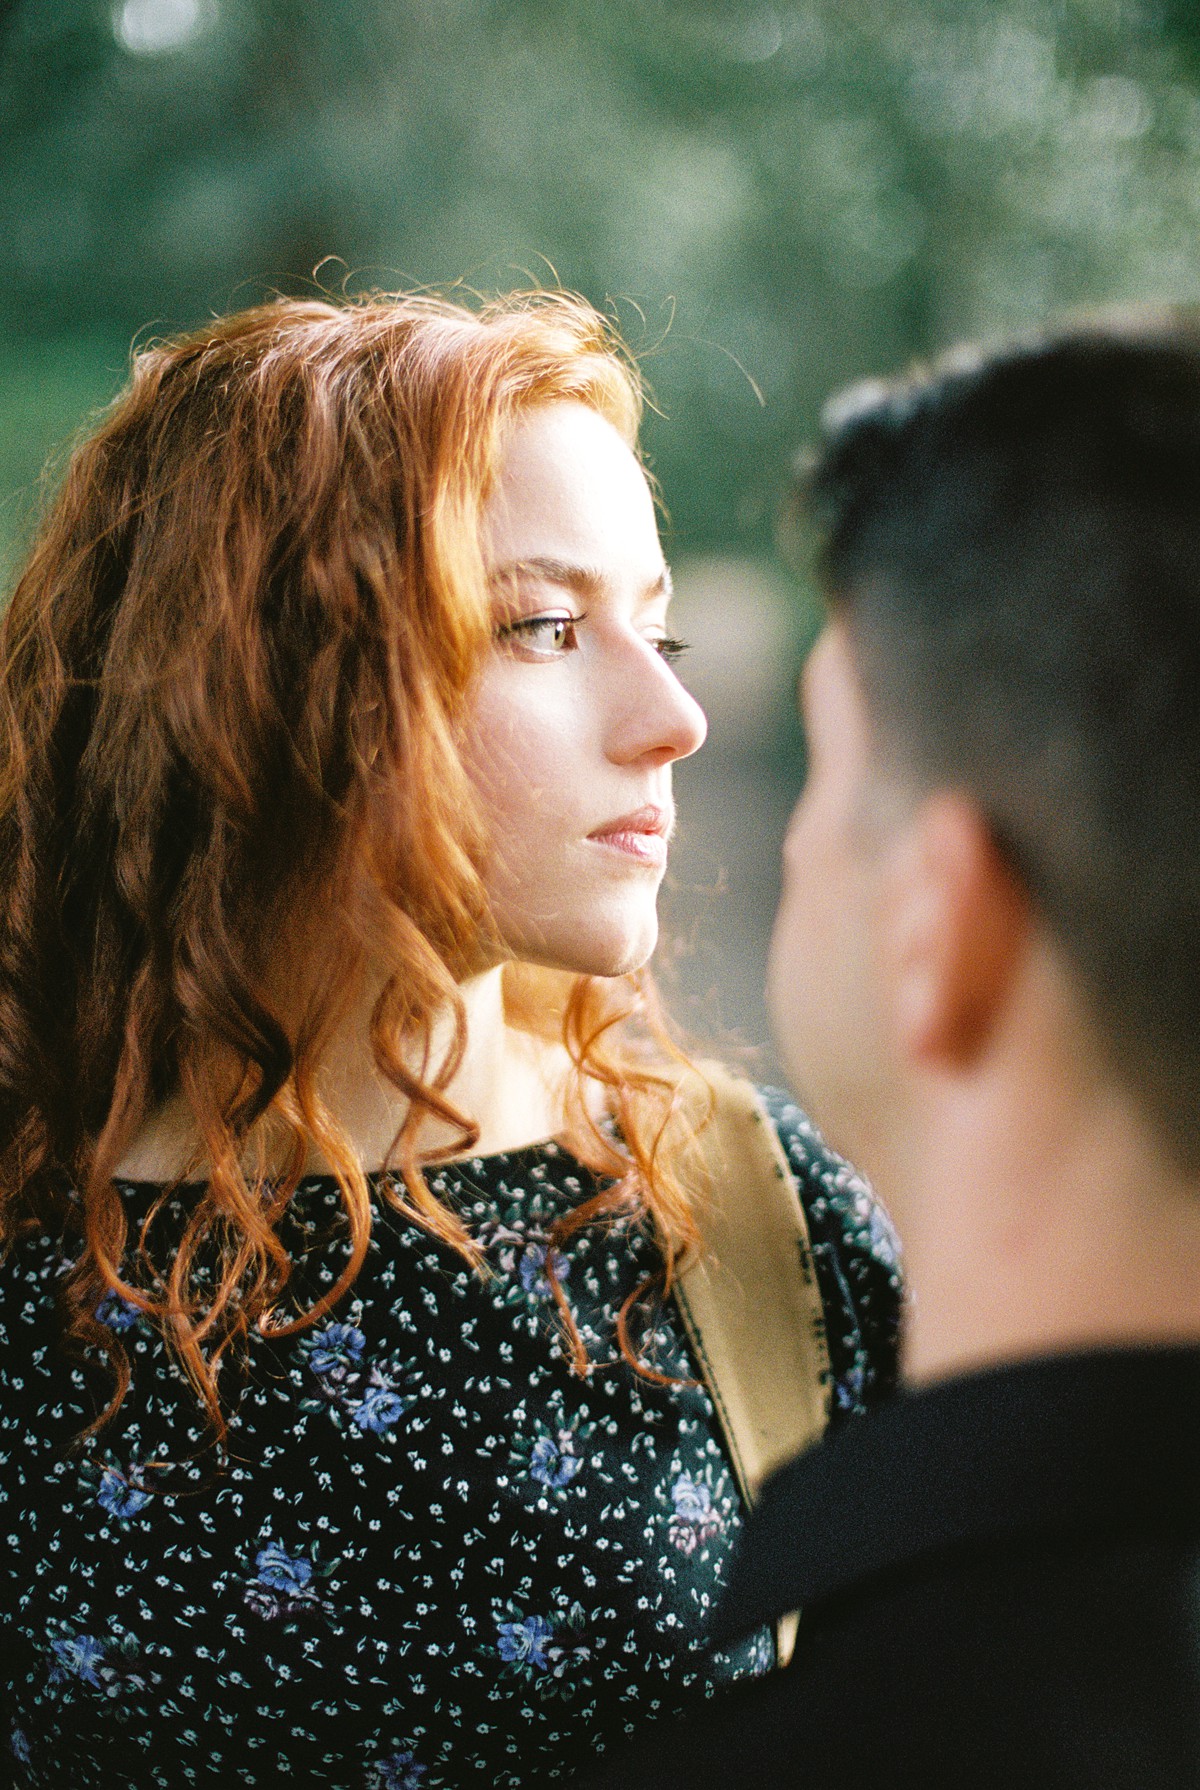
{"x":1085,"y":1444}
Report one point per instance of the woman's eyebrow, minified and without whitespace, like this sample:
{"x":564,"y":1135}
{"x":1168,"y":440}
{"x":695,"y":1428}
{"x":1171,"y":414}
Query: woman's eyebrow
{"x":586,"y":581}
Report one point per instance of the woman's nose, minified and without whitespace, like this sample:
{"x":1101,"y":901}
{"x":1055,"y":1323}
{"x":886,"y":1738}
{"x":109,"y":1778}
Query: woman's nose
{"x":653,"y":718}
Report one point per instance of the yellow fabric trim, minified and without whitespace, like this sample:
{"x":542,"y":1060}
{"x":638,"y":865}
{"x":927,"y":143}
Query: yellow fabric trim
{"x":750,"y":1302}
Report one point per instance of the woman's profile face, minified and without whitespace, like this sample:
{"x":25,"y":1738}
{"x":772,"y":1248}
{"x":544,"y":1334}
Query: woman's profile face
{"x":577,"y":716}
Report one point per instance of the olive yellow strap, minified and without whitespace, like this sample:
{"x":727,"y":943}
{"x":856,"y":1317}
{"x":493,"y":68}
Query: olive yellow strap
{"x":750,"y":1301}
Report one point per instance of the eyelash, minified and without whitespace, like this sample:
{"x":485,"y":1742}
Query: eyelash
{"x":531,"y":626}
{"x":668,"y":648}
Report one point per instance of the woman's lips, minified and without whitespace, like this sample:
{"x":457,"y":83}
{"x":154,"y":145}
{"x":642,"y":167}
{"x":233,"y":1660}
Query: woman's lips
{"x":641,"y":836}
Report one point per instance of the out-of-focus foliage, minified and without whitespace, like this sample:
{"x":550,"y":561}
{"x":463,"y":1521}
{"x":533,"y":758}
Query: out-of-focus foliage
{"x":774,"y":198}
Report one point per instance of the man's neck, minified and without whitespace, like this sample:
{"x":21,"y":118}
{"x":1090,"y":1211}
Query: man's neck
{"x":1044,"y":1229}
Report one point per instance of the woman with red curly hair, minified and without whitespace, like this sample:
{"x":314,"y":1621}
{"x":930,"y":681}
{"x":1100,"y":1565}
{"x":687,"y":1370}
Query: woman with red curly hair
{"x":348,"y":1430}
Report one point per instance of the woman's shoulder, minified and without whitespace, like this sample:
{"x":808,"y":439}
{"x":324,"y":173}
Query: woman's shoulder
{"x":828,"y":1184}
{"x":857,"y":1257}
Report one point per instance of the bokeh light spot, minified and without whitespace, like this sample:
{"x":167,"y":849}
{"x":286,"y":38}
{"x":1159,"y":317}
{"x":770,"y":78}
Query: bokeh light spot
{"x":152,"y":27}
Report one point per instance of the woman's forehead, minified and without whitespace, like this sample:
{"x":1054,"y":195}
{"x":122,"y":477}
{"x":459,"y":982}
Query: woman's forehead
{"x":569,"y":489}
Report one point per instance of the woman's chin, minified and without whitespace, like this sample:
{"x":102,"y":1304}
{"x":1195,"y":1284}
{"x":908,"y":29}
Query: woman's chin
{"x":602,"y":951}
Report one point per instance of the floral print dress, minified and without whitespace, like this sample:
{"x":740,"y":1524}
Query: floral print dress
{"x":437,"y":1556}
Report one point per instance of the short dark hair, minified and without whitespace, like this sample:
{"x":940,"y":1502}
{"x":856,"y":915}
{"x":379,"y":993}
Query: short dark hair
{"x":1012,"y":539}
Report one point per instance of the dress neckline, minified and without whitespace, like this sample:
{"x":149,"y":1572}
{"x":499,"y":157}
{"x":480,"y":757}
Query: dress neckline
{"x":324,"y":1178}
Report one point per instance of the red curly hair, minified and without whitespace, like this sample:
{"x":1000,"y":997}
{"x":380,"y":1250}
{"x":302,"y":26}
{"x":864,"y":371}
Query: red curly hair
{"x":232,"y":676}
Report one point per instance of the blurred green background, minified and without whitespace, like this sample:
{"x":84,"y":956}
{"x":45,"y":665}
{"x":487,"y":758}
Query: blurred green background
{"x":772,"y":199}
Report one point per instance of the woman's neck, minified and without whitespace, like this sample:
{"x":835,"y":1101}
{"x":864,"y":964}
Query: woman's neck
{"x":509,"y":1083}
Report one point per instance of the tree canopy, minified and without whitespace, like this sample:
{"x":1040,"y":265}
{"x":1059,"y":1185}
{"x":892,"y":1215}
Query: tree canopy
{"x":772,"y":198}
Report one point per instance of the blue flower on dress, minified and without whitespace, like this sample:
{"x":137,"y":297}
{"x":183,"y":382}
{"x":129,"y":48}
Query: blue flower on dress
{"x":381,"y":1405}
{"x":335,"y":1349}
{"x":19,"y":1743}
{"x":694,"y":1519}
{"x":548,"y":1651}
{"x":399,"y":1772}
{"x":120,"y":1489}
{"x":850,"y":1387}
{"x":117,"y":1312}
{"x":553,"y":1460}
{"x":77,"y":1656}
{"x":532,"y":1269}
{"x":106,"y":1665}
{"x":119,"y":1496}
{"x":523,"y":1643}
{"x":283,"y":1571}
{"x":520,"y":1243}
{"x":348,"y":1385}
{"x":284,"y":1585}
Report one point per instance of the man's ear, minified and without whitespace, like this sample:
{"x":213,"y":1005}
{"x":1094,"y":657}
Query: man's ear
{"x":955,"y":926}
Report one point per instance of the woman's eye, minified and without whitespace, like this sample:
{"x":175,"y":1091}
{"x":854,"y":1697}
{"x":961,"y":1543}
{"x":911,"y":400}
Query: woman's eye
{"x":670,"y":649}
{"x":542,"y":633}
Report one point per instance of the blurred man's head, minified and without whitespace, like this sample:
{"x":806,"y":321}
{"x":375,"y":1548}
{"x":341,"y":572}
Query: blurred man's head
{"x":1001,"y":828}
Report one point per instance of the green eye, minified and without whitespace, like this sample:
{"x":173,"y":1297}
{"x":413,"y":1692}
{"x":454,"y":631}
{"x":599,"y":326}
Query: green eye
{"x":544,"y":633}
